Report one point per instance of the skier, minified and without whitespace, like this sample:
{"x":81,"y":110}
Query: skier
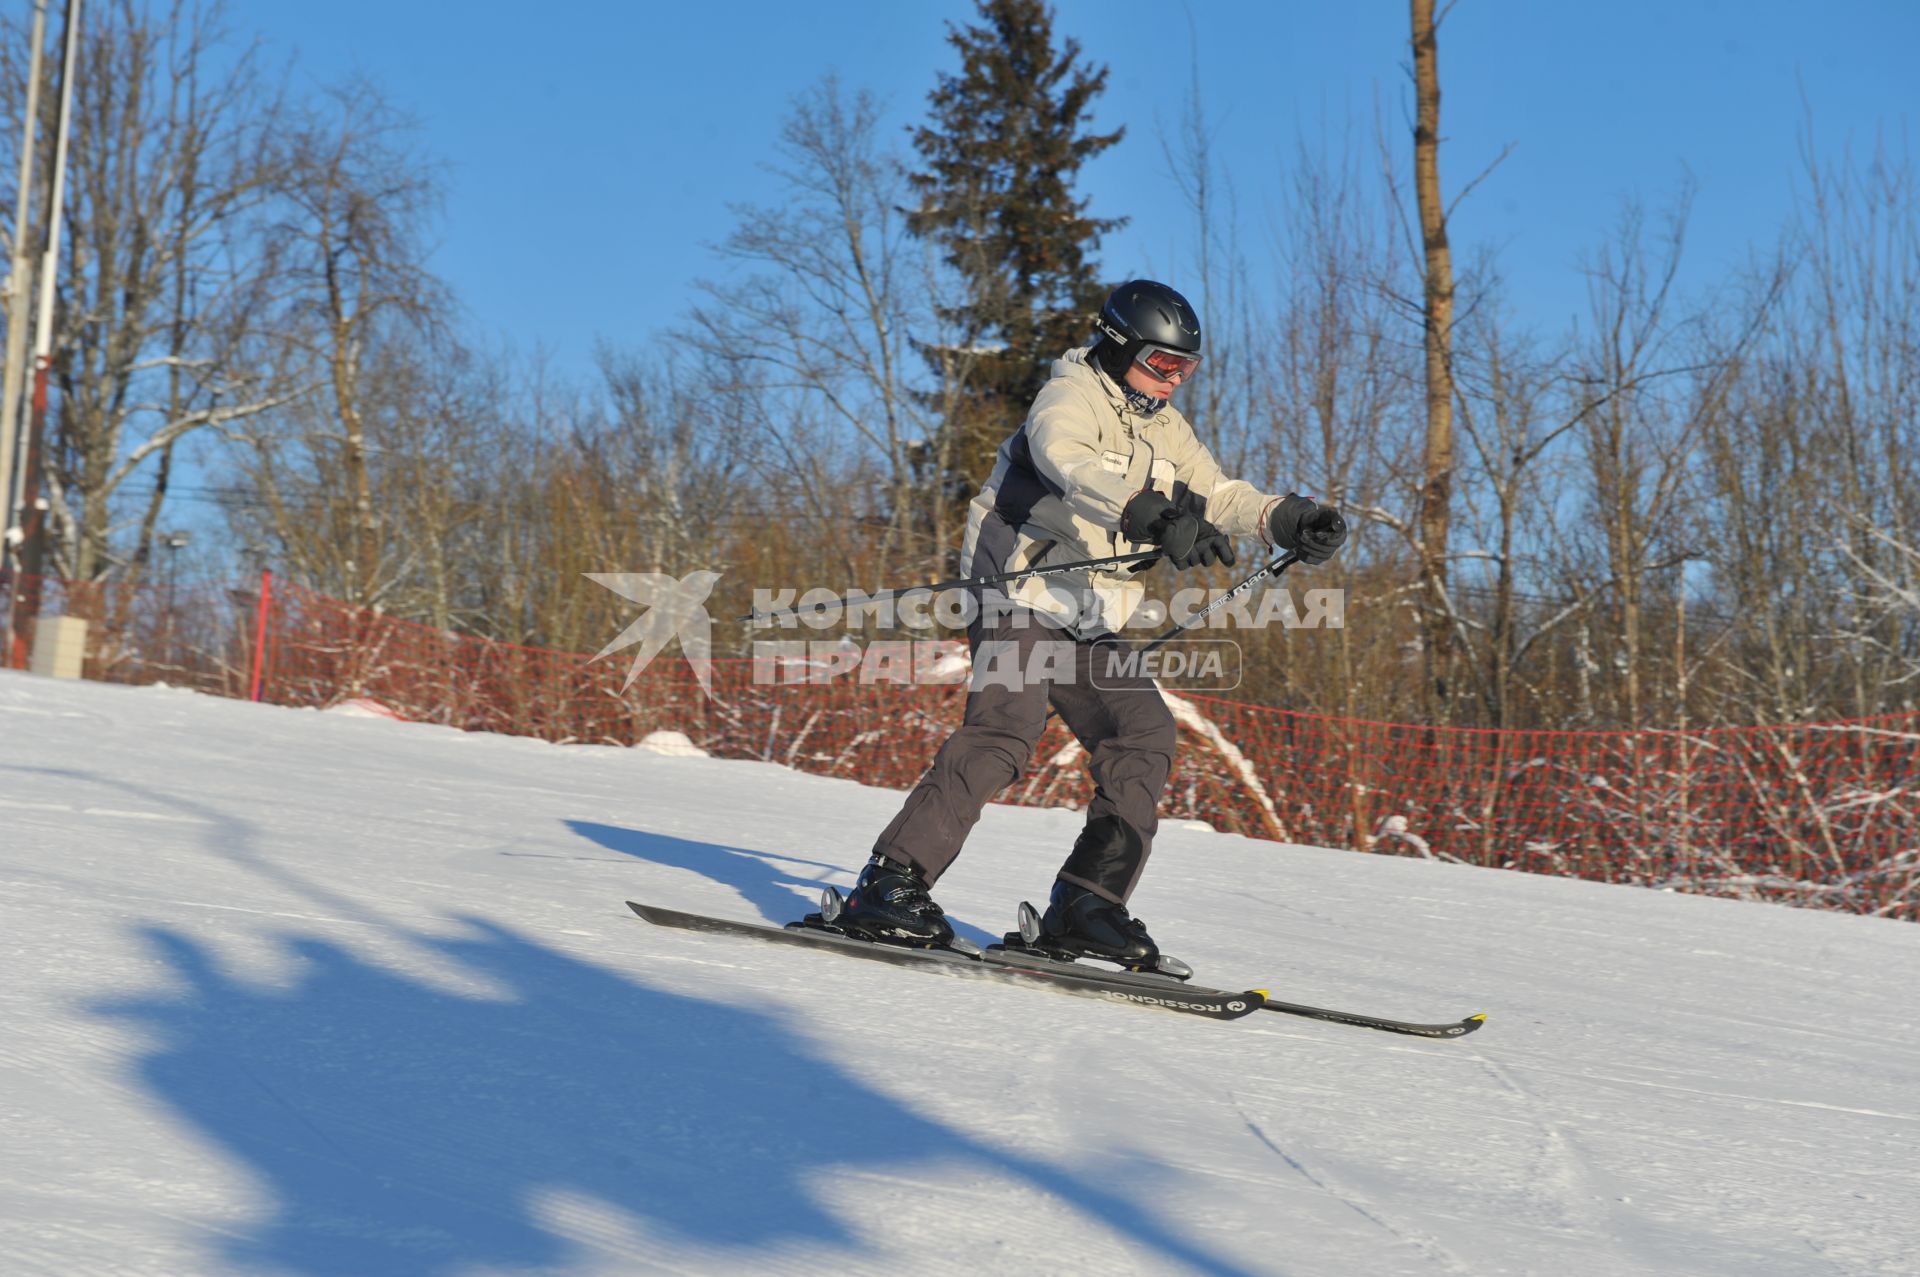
{"x":1102,"y":465}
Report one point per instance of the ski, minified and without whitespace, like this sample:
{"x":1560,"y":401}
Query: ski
{"x":1162,"y":993}
{"x":1444,"y":1029}
{"x":1018,"y":965}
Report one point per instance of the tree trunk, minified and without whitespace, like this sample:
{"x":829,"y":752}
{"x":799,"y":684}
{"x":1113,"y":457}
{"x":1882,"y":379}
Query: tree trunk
{"x":1436,"y":493}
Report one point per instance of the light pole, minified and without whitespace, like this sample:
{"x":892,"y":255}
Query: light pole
{"x":174,"y":542}
{"x":19,"y":321}
{"x":23,"y":544}
{"x":19,"y":290}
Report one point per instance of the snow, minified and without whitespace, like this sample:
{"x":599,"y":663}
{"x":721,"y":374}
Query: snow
{"x":363,"y":707}
{"x":1394,"y":830}
{"x":306,"y":993}
{"x":673,"y":744}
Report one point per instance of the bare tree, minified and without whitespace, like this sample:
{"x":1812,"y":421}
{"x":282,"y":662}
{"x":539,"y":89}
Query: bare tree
{"x":1513,"y":440}
{"x":1860,"y":245}
{"x":1883,"y":601}
{"x":347,"y":245}
{"x":1335,"y":425}
{"x":1220,"y":402}
{"x":1641,"y":387}
{"x":1437,"y":477}
{"x":820,"y":331}
{"x":172,"y":147}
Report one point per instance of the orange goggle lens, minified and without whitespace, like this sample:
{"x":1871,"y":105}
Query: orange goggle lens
{"x":1168,"y":364}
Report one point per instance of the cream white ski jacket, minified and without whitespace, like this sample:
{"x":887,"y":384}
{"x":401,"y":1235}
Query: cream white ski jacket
{"x":1060,"y":482}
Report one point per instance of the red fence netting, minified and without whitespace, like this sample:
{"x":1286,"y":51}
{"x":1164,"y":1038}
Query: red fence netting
{"x":1818,"y":814}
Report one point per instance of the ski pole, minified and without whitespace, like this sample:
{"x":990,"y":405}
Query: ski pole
{"x":964,"y":583}
{"x":1274,"y":570}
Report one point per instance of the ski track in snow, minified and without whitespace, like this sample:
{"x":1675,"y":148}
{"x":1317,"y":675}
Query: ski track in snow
{"x":313,"y":994}
{"x":1428,"y":1247}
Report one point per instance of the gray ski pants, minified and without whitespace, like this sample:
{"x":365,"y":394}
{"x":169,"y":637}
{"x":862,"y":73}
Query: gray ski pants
{"x":1120,"y":718}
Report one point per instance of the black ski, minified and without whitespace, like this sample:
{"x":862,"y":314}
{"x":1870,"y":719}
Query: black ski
{"x":1162,"y":992}
{"x":1445,"y":1029}
{"x":1025,"y":966}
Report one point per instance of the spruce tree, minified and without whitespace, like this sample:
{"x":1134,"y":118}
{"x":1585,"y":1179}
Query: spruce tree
{"x":1004,"y":140}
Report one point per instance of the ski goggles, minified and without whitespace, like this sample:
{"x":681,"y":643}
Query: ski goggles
{"x":1167,"y":363}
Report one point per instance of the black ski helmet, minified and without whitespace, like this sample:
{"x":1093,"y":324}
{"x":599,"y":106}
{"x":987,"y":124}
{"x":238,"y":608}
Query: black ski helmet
{"x":1140,"y":315}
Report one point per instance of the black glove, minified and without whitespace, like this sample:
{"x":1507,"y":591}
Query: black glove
{"x":1311,"y":530}
{"x":1185,"y":539}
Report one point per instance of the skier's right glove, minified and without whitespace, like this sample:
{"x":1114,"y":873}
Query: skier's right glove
{"x":1185,"y":539}
{"x":1311,"y":530}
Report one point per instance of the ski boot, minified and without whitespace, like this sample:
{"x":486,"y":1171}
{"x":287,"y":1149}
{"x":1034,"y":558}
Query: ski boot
{"x":1080,"y":924}
{"x":890,"y":904}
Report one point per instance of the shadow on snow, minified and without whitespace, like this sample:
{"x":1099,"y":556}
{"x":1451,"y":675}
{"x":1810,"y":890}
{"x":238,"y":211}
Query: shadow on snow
{"x":403,"y":1128}
{"x":779,"y":893}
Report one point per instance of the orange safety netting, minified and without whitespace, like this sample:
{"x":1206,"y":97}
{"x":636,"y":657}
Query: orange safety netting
{"x":1819,"y":814}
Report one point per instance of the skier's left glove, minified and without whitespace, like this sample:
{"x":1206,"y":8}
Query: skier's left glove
{"x":1185,"y":539}
{"x":1311,"y":530}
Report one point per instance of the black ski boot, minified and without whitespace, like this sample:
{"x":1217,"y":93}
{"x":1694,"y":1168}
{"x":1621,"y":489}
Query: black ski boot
{"x":890,"y":903}
{"x":1081,"y":924}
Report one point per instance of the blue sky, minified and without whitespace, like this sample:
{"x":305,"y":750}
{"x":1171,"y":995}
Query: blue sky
{"x":594,"y":147}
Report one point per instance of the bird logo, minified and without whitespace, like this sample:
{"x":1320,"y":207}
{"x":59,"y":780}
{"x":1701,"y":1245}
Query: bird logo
{"x":675,"y":609}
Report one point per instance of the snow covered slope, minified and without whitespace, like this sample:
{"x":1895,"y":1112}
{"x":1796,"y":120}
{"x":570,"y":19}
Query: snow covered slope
{"x":308,"y":993}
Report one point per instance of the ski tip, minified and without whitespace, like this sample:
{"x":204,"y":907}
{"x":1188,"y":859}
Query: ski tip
{"x":1473,"y":1022}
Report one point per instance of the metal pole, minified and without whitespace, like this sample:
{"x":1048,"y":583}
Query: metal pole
{"x":33,"y":525}
{"x":1274,"y":569}
{"x":56,"y":202}
{"x":19,"y":319}
{"x":174,"y":542}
